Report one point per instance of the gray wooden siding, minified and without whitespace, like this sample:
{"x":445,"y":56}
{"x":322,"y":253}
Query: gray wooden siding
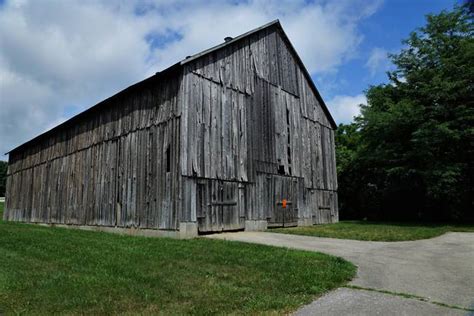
{"x":250,"y":112}
{"x":214,"y":133}
{"x":107,"y":169}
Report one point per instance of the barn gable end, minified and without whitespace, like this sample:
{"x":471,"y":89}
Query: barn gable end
{"x":250,"y":111}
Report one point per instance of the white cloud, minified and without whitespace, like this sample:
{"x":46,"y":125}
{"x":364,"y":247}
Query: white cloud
{"x":344,"y":107}
{"x":61,"y":55}
{"x":377,"y":61}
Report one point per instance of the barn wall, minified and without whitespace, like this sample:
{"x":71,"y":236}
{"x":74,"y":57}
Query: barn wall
{"x":109,"y":168}
{"x":241,"y":127}
{"x":250,"y":112}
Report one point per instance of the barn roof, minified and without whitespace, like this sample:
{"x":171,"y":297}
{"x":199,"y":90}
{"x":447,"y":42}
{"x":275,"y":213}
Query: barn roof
{"x":277,"y":24}
{"x":172,"y":70}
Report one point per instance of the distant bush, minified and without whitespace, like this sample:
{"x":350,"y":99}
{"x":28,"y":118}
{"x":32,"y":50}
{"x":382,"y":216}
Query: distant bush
{"x":3,"y":177}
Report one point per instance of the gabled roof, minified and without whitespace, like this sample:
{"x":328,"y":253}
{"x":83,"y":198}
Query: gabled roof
{"x":174,"y":69}
{"x":277,"y":24}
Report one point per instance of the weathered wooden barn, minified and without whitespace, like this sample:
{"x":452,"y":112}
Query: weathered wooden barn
{"x":213,"y":143}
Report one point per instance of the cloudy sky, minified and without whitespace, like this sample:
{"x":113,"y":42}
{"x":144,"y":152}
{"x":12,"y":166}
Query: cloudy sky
{"x":58,"y":58}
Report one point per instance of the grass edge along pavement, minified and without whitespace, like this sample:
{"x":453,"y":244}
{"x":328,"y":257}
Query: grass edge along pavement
{"x":375,"y":231}
{"x":409,"y":296}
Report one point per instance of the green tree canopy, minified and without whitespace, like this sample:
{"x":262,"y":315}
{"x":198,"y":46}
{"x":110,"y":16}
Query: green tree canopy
{"x":414,"y":151}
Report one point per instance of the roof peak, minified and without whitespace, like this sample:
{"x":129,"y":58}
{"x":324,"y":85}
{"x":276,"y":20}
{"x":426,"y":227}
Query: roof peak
{"x":230,"y":41}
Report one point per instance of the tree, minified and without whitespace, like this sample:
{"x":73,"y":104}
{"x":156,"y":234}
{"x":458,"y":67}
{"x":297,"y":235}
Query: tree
{"x":3,"y":177}
{"x":416,"y":133}
{"x":347,"y":142}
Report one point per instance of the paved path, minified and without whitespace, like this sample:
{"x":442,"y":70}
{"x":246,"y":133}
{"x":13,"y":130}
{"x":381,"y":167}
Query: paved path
{"x":439,"y":270}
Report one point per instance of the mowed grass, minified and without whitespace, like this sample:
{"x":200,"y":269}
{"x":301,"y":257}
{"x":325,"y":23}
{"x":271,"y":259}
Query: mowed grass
{"x":62,"y":271}
{"x":376,"y":231}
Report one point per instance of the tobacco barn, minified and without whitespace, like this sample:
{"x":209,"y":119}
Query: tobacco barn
{"x":235,"y":137}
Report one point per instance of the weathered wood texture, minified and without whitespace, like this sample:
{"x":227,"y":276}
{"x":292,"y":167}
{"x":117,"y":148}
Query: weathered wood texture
{"x":221,"y":139}
{"x":251,"y":114}
{"x":115,"y":167}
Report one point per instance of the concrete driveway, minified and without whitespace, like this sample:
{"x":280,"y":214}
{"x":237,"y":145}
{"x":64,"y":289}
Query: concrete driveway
{"x":439,"y":271}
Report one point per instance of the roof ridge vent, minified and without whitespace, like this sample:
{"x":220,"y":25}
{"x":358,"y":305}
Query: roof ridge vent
{"x":228,"y":39}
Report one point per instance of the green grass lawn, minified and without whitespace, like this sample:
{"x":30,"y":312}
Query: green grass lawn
{"x":52,"y":270}
{"x":376,"y":231}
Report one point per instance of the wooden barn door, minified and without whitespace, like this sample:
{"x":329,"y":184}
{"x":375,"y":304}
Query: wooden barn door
{"x":284,"y":188}
{"x":218,"y":206}
{"x":325,"y":206}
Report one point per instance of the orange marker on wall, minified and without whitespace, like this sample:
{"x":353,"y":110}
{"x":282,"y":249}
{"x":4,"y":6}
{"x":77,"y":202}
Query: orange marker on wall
{"x":283,"y":203}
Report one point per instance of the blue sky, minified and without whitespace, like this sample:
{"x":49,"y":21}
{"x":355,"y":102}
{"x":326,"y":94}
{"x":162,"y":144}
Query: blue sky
{"x":385,"y":29}
{"x":57,"y":58}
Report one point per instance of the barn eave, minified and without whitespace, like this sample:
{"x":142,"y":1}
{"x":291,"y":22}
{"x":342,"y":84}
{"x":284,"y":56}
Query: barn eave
{"x":170,"y":71}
